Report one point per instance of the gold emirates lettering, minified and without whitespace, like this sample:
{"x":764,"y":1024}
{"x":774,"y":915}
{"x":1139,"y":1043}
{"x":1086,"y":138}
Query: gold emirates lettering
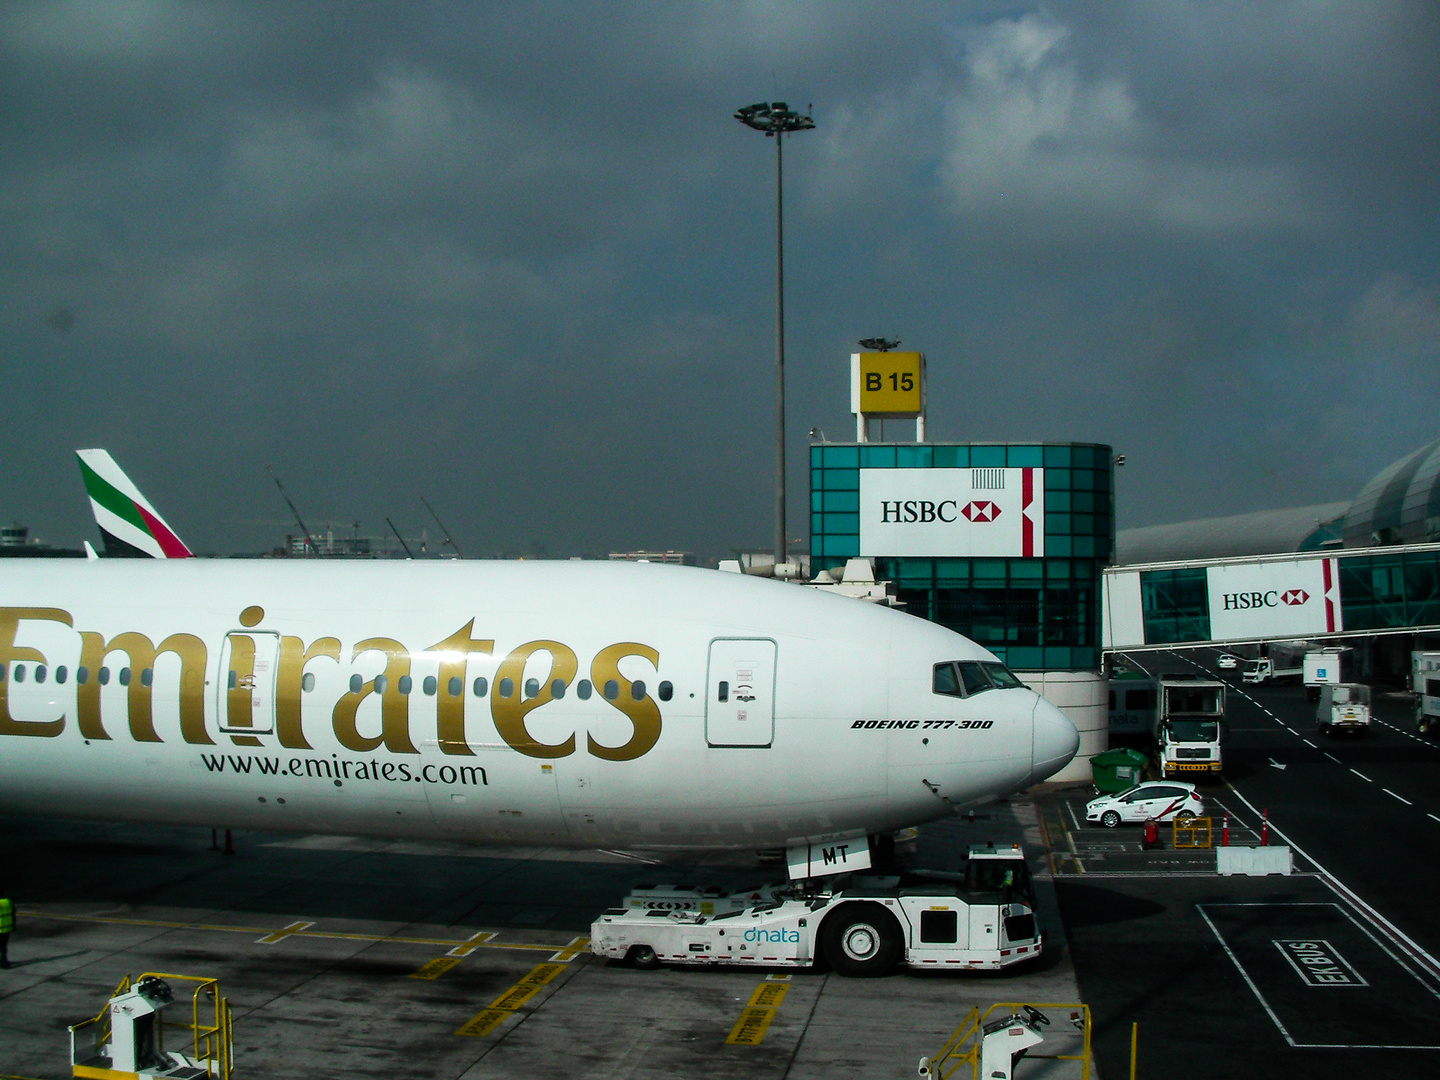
{"x":509,"y":711}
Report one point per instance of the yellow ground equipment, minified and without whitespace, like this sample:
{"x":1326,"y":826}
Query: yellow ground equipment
{"x":127,"y":1040}
{"x":992,"y":1043}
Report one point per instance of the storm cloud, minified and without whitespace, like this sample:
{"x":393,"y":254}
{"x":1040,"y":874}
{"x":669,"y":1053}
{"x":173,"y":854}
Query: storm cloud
{"x":518,"y":259}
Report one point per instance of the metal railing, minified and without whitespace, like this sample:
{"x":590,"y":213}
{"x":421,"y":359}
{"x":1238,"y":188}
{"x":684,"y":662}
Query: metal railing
{"x":963,"y":1046}
{"x":212,"y":1043}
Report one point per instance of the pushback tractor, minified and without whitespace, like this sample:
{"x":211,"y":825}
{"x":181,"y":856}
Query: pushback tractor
{"x":980,"y":919}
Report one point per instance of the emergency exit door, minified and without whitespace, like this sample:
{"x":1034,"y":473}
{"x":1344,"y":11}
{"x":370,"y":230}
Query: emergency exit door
{"x":247,"y":682}
{"x":740,"y":694}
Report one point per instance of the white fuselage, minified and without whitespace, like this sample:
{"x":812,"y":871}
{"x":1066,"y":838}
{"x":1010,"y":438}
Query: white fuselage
{"x":559,"y":703}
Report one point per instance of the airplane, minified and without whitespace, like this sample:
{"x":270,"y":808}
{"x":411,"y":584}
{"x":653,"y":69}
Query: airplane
{"x":129,"y":525}
{"x":566,"y":704}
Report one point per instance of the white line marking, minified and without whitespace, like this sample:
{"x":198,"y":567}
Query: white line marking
{"x":1392,"y":794}
{"x":1308,"y":743}
{"x":1430,"y":965}
{"x":1362,"y":776}
{"x":1244,"y":974}
{"x":1432,"y":817}
{"x":1332,"y":757}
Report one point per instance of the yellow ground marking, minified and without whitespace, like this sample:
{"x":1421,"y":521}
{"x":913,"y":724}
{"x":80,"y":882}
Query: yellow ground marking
{"x":435,"y":968}
{"x":755,"y":1018}
{"x":473,"y":942}
{"x":280,"y":935}
{"x":569,"y":952}
{"x":506,"y":1005}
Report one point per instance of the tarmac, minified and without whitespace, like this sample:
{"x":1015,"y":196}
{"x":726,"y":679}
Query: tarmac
{"x":367,"y":958}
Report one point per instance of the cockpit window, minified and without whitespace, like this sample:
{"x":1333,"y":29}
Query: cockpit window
{"x":973,"y":677}
{"x":1002,"y":676}
{"x":945,"y":680}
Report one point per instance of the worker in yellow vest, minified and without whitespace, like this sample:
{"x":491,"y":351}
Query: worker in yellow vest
{"x":7,"y":923}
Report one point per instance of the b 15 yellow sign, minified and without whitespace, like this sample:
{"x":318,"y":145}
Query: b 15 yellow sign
{"x":887,"y":384}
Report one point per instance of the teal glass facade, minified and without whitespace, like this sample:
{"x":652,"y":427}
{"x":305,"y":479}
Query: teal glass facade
{"x":1035,"y":614}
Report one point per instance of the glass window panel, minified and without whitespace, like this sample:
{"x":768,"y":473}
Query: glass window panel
{"x":817,"y":500}
{"x":1057,"y":524}
{"x":845,"y":501}
{"x":1057,"y":457}
{"x":582,"y":689}
{"x":840,"y":523}
{"x":1024,"y":569}
{"x":841,"y":457}
{"x":1082,"y":524}
{"x":1025,"y":657}
{"x":1082,"y":545}
{"x":1081,"y":501}
{"x":877,"y":457}
{"x":430,"y":685}
{"x":1082,"y":479}
{"x":1024,"y":457}
{"x":842,"y":480}
{"x":816,"y":525}
{"x":1057,"y":479}
{"x":989,"y":569}
{"x":1057,"y":545}
{"x":913,"y":457}
{"x":1057,"y":500}
{"x":404,"y":684}
{"x":987,"y":457}
{"x":952,"y":571}
{"x":952,"y":457}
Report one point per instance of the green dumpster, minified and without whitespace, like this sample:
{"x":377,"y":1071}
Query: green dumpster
{"x":1118,"y":770}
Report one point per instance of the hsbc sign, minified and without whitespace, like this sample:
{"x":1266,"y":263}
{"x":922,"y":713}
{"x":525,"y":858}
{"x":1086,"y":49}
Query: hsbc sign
{"x":935,"y":513}
{"x":1274,"y":599}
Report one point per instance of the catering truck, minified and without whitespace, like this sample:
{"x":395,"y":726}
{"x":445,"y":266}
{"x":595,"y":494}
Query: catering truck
{"x":980,"y":919}
{"x":1189,"y":725}
{"x":1343,"y":707}
{"x":1425,"y":684}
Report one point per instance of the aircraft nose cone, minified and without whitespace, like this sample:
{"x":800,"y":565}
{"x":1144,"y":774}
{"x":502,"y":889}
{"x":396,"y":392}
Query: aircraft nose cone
{"x":1054,"y":743}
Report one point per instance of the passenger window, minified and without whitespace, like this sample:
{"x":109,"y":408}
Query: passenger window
{"x":2,"y":672}
{"x":381,"y":683}
{"x":454,"y":686}
{"x":430,"y":685}
{"x":582,"y":689}
{"x":724,"y":694}
{"x":938,"y":926}
{"x":532,"y":688}
{"x":124,"y":676}
{"x":147,"y":676}
{"x":104,"y":676}
{"x":82,"y":675}
{"x":612,"y":689}
{"x":356,"y":682}
{"x":666,"y":690}
{"x":944,"y":680}
{"x":557,"y":689}
{"x":405,"y":684}
{"x":307,"y":681}
{"x":972,"y":676}
{"x":19,"y":672}
{"x":505,"y":687}
{"x":60,"y":674}
{"x":637,"y":690}
{"x":480,"y":687}
{"x":40,"y":673}
{"x":230,"y":683}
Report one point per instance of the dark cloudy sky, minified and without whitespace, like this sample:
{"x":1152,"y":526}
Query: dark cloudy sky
{"x":518,"y":259}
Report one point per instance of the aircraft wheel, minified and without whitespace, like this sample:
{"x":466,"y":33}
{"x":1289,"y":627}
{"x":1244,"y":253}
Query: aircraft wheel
{"x":861,"y":939}
{"x":643,"y":957}
{"x":1110,"y":819}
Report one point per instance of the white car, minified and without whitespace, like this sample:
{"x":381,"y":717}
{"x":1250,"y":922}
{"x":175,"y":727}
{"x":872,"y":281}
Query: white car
{"x":1228,"y":662}
{"x":1162,"y":800}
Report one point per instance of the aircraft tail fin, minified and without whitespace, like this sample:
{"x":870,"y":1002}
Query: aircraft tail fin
{"x":130,"y":526}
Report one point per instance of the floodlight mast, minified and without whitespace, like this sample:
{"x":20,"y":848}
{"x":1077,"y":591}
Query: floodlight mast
{"x":776,"y":119}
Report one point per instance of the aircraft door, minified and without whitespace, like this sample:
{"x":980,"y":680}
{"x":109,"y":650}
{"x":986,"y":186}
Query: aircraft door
{"x":247,"y":682}
{"x":740,"y":692}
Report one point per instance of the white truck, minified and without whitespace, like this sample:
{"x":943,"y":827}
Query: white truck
{"x":981,"y":919}
{"x":1425,"y":683}
{"x":1280,"y":661}
{"x":1189,"y":725}
{"x":1132,"y":703}
{"x":1343,"y":707}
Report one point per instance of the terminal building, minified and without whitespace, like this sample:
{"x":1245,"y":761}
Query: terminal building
{"x":1004,"y":543}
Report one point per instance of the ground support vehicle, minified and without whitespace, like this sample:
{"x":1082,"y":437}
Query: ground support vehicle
{"x":1132,"y":703}
{"x":1425,"y":683}
{"x":1278,"y":661}
{"x":981,"y":919}
{"x":126,"y":1041}
{"x":1188,"y":725}
{"x":1344,"y":707}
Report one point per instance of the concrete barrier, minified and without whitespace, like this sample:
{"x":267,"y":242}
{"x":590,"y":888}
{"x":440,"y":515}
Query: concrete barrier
{"x":1254,"y":861}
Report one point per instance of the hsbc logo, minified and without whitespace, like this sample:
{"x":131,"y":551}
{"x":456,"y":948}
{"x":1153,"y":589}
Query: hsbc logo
{"x":1243,"y":601}
{"x":981,"y":510}
{"x":924,"y":511}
